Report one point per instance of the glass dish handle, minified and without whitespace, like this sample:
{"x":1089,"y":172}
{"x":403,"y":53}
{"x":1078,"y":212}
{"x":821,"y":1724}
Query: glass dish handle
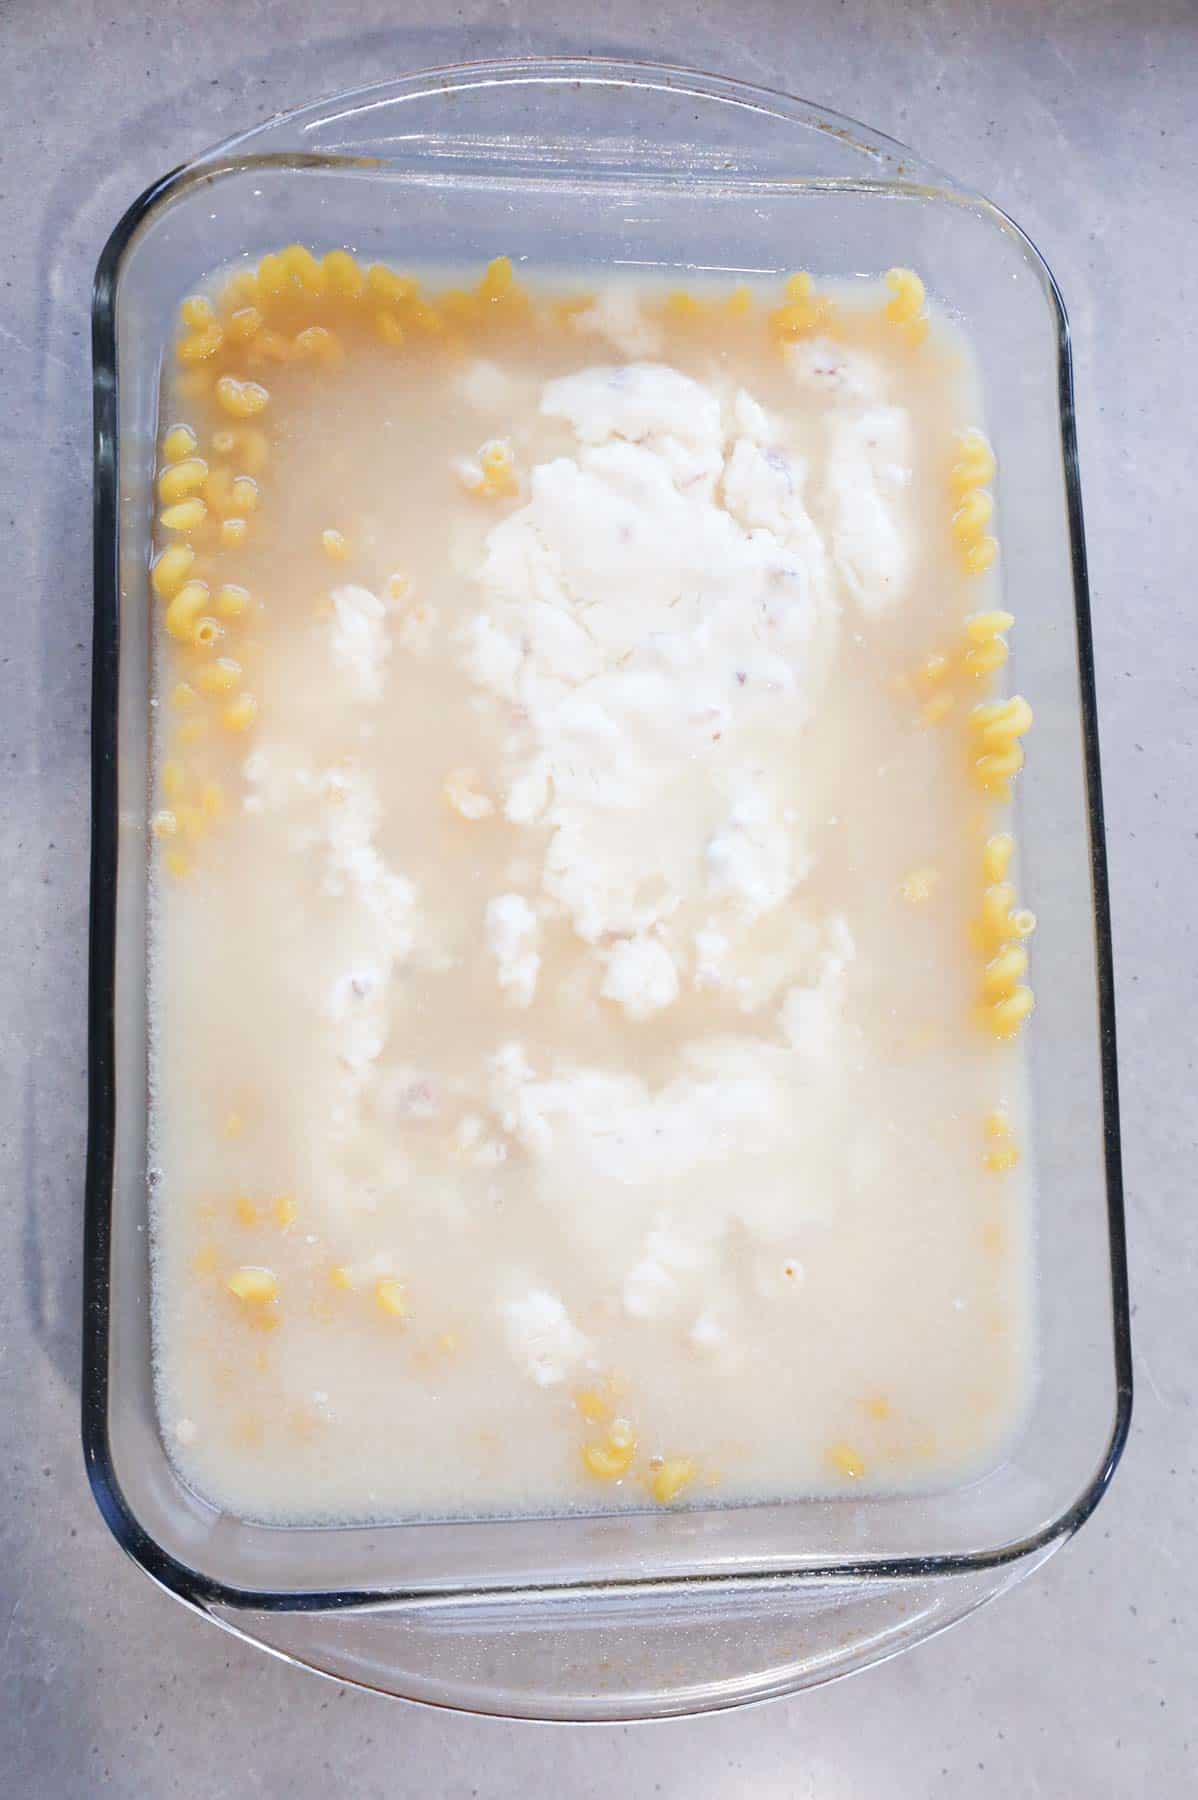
{"x":614,"y":1654}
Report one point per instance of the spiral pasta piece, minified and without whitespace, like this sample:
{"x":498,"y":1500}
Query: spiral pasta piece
{"x":1000,"y":934}
{"x":996,"y":729}
{"x":969,"y":481}
{"x":906,"y":309}
{"x":802,"y":313}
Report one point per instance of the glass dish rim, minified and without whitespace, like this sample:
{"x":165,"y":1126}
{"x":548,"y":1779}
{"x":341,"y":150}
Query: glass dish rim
{"x":160,"y":1564}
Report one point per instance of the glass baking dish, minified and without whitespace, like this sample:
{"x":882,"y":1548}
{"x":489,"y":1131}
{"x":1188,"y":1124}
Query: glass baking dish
{"x":592,"y":165}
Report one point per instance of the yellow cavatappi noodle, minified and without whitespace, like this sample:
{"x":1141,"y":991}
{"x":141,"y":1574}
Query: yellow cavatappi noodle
{"x":670,"y":1478}
{"x":594,"y":1405}
{"x":343,"y":275}
{"x":803,"y":312}
{"x":846,"y":1461}
{"x":1002,"y":1157}
{"x":171,"y":569}
{"x":907,"y":306}
{"x":179,"y":442}
{"x":1007,"y":1016}
{"x":200,"y":345}
{"x":498,"y":466}
{"x":219,"y":677}
{"x":256,"y":1286}
{"x":986,"y":645}
{"x":972,"y":470}
{"x":197,"y":314}
{"x":997,"y":754}
{"x":1006,"y":1001}
{"x":240,"y":714}
{"x":184,"y":609}
{"x":207,"y":633}
{"x":244,"y":495}
{"x":180,"y":480}
{"x":241,"y":399}
{"x":392,"y":1297}
{"x":316,"y":343}
{"x":232,"y":600}
{"x":612,"y":1458}
{"x":244,"y":325}
{"x":996,"y":856}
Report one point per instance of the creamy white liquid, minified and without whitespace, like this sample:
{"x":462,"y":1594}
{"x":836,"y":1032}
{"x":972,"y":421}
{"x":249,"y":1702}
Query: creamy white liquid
{"x":551,"y":964}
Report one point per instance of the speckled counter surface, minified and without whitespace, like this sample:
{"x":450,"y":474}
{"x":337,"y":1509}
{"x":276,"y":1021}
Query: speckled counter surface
{"x":1079,"y":117}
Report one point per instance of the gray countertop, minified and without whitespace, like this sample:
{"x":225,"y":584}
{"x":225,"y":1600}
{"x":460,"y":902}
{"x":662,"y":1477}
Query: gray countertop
{"x":1079,"y":117}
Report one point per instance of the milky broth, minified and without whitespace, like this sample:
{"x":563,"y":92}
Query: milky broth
{"x":663,"y":1100}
